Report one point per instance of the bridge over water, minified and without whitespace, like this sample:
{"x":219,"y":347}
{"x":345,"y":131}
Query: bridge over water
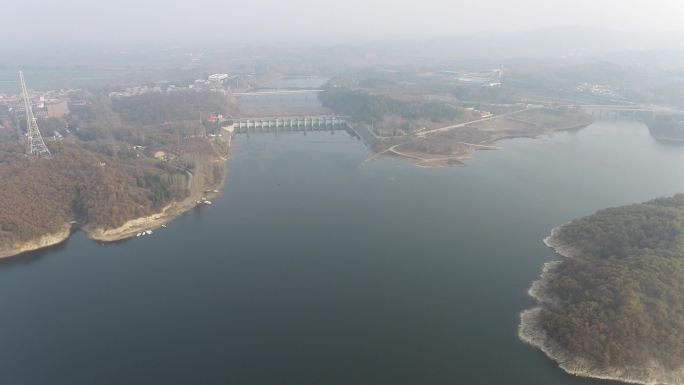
{"x":639,"y":111}
{"x":613,"y":111}
{"x":288,"y":123}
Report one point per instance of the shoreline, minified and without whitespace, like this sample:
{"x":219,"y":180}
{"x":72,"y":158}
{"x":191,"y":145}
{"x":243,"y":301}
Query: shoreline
{"x":151,"y":222}
{"x":425,"y":160}
{"x":41,"y":242}
{"x":531,"y":332}
{"x":130,"y":228}
{"x":123,"y":232}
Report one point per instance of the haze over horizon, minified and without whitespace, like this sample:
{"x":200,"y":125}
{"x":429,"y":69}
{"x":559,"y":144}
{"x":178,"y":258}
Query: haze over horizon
{"x":319,"y":22}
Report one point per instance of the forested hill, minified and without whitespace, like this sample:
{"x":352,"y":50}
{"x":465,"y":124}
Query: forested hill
{"x":620,"y":300}
{"x":38,"y":198}
{"x":369,"y":107}
{"x":117,"y":160}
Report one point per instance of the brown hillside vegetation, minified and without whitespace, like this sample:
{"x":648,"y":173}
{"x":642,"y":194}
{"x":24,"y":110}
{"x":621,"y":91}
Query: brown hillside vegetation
{"x":620,"y":299}
{"x":101,"y":177}
{"x":77,"y":185}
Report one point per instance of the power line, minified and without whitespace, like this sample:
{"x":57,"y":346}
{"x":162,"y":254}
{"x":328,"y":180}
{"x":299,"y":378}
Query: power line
{"x":35,"y":145}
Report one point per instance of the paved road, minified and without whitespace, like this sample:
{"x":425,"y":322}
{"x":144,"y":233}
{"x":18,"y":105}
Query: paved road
{"x":364,"y":133}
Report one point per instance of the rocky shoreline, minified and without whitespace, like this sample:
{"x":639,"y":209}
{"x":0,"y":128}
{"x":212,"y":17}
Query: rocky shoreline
{"x":43,"y":241}
{"x":130,"y":228}
{"x":150,"y":222}
{"x":125,"y":231}
{"x":531,"y":332}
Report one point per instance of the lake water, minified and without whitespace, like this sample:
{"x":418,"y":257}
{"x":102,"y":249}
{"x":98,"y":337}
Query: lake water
{"x":305,"y":99}
{"x":294,"y":82}
{"x":315,"y":268}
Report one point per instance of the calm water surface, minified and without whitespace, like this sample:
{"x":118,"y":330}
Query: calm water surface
{"x":314,"y":268}
{"x":307,"y":99}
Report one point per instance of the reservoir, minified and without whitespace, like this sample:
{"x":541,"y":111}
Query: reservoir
{"x":315,"y":267}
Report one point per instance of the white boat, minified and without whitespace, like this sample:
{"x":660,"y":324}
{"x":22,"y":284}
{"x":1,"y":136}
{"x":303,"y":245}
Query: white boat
{"x":149,"y":232}
{"x":163,"y":226}
{"x":206,"y":202}
{"x":139,"y":234}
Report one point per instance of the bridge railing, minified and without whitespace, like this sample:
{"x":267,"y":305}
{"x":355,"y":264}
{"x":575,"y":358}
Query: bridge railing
{"x":294,"y":122}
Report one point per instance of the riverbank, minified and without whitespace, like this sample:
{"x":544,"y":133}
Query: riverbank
{"x":150,"y":222}
{"x":532,"y":332}
{"x":134,"y":226}
{"x":125,"y":231}
{"x":200,"y":188}
{"x":462,"y":145}
{"x":41,"y":242}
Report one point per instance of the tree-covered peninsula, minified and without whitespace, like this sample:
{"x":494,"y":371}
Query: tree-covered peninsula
{"x":614,"y":308}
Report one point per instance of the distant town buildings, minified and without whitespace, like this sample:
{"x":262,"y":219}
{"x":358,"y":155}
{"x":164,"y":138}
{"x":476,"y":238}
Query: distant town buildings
{"x":599,"y":90}
{"x":216,"y":82}
{"x":46,"y":104}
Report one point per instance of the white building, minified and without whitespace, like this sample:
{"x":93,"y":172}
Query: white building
{"x":218,"y":78}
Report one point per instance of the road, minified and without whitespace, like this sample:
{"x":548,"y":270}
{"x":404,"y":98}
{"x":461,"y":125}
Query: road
{"x":448,"y":128}
{"x":364,"y":133}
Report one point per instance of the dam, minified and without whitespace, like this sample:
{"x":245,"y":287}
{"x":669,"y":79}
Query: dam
{"x":293,"y":123}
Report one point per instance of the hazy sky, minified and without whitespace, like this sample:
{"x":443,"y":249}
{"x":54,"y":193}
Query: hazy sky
{"x":320,"y":21}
